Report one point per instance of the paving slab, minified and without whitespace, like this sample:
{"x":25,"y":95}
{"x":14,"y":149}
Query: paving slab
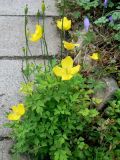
{"x":4,"y":150}
{"x":12,"y":36}
{"x":16,"y":7}
{"x":10,"y":79}
{"x":5,"y":147}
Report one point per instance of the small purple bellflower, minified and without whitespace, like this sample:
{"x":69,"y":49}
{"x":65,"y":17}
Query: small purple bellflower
{"x":110,"y":18}
{"x":86,"y":24}
{"x":105,"y":3}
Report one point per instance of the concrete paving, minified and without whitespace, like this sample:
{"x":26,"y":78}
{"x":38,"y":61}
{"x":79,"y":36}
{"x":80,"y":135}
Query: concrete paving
{"x":10,"y":79}
{"x":12,"y":36}
{"x":16,"y":7}
{"x":11,"y":43}
{"x":5,"y":147}
{"x":4,"y":150}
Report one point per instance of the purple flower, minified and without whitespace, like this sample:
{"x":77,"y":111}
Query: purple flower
{"x":105,"y":3}
{"x":86,"y":24}
{"x":110,"y":18}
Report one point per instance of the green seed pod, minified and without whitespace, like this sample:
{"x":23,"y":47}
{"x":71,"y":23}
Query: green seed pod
{"x":26,"y":9}
{"x":43,"y":7}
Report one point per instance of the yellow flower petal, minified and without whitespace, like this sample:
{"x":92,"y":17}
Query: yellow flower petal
{"x":75,"y":69}
{"x":58,"y":71}
{"x":66,"y":77}
{"x":13,"y":117}
{"x":19,"y":109}
{"x":37,"y":35}
{"x":64,"y":24}
{"x":67,"y":24}
{"x":17,"y":112}
{"x":69,"y":46}
{"x":59,"y":24}
{"x":15,"y":109}
{"x":67,"y":71}
{"x":38,"y":29}
{"x":67,"y":62}
{"x":95,"y":56}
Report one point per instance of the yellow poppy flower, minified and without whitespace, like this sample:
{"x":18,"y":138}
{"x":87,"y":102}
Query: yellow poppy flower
{"x":67,"y":70}
{"x":37,"y":35}
{"x":70,"y":46}
{"x":95,"y":56}
{"x":17,"y":112}
{"x":64,"y":24}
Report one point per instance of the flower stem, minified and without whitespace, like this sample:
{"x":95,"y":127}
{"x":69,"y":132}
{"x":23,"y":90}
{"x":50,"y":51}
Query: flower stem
{"x":26,"y":40}
{"x":43,"y":54}
{"x":62,"y":31}
{"x":44,"y":40}
{"x":27,"y":49}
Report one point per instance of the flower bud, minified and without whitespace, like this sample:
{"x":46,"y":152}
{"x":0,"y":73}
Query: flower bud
{"x":105,"y":3}
{"x":110,"y":18}
{"x":26,"y":9}
{"x":38,"y":14}
{"x":43,"y":7}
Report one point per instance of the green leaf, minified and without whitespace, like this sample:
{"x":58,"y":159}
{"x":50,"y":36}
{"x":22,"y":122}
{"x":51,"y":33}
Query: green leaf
{"x":84,"y":112}
{"x":97,"y":100}
{"x":60,"y":155}
{"x":93,"y":113}
{"x":76,"y":14}
{"x":101,"y":20}
{"x":39,"y":110}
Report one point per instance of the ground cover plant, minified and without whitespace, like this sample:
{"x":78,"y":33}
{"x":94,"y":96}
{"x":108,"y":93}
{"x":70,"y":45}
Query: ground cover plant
{"x":104,"y":30}
{"x":59,"y":119}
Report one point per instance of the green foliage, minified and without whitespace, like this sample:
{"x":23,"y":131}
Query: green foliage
{"x":54,"y":112}
{"x":114,"y":23}
{"x":95,"y":10}
{"x":101,"y":20}
{"x":103,"y":36}
{"x":89,"y":38}
{"x":86,"y":4}
{"x":61,"y":123}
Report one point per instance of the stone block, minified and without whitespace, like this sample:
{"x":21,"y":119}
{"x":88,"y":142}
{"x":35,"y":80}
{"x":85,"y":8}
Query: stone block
{"x":4,"y":150}
{"x":5,"y":154}
{"x":12,"y":36}
{"x":16,"y":7}
{"x":10,"y":79}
